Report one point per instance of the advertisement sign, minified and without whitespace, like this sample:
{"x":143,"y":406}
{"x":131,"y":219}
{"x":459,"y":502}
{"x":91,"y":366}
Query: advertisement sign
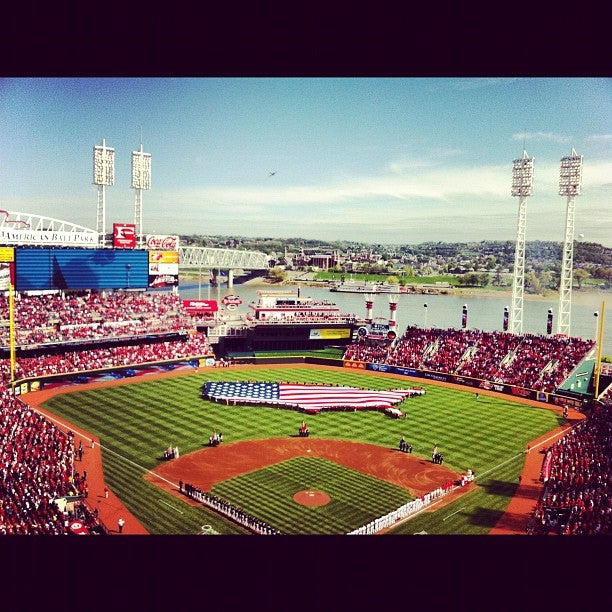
{"x":330,"y":334}
{"x":124,"y":235}
{"x":38,"y":237}
{"x":7,"y":254}
{"x":6,"y":276}
{"x":163,"y":280}
{"x":360,"y":365}
{"x":378,"y":329}
{"x":200,"y":306}
{"x":165,"y":257}
{"x":162,"y":242}
{"x":163,"y":268}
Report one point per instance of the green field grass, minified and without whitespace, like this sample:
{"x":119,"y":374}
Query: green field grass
{"x":136,"y":422}
{"x":356,"y":498}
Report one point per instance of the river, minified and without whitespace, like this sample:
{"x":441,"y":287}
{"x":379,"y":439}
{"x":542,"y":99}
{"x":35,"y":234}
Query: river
{"x":444,"y":311}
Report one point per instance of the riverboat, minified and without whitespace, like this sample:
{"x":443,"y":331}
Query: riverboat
{"x":368,"y":287}
{"x":285,"y":321}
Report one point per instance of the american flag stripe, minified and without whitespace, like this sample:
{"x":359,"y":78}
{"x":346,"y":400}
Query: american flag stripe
{"x":305,"y":396}
{"x":321,"y":395}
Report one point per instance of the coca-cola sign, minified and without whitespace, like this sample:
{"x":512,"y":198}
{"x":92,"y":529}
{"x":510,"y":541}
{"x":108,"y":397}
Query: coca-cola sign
{"x":162,"y":243}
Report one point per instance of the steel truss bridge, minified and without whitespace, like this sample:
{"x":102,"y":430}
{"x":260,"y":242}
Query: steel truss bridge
{"x":22,"y":229}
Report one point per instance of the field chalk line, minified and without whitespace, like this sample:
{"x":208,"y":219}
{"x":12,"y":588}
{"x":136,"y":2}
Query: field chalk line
{"x":171,"y":506}
{"x":460,"y":509}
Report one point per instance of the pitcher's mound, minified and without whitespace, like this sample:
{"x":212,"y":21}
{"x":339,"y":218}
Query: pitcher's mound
{"x":311,"y":498}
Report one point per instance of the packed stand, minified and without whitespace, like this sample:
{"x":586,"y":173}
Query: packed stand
{"x":67,"y":362}
{"x":56,"y":318}
{"x":37,"y":468}
{"x":577,"y":471}
{"x":530,"y":361}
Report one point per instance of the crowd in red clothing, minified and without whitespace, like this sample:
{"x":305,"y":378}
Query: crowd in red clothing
{"x":577,"y":496}
{"x":530,"y":361}
{"x":195,"y":345}
{"x":138,"y":324}
{"x":53,"y":318}
{"x":36,"y":468}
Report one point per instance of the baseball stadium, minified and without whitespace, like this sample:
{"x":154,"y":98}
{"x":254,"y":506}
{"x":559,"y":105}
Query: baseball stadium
{"x":128,"y":410}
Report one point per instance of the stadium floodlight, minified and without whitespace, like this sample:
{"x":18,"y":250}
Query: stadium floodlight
{"x":141,"y":170}
{"x":103,"y":175}
{"x":104,"y":165}
{"x":522,"y":176}
{"x":141,"y":179}
{"x":569,"y":186}
{"x":571,"y":175}
{"x":522,"y":182}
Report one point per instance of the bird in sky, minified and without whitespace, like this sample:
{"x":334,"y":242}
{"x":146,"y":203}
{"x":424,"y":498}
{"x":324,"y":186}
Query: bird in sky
{"x":273,"y":173}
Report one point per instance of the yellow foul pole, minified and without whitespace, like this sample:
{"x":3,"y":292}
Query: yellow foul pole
{"x":599,"y":348}
{"x":12,"y":332}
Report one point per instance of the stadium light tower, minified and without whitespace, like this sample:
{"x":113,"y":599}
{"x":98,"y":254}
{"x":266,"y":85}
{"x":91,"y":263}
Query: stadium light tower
{"x":522,"y":181}
{"x":103,"y":174}
{"x":141,"y":179}
{"x":569,"y":186}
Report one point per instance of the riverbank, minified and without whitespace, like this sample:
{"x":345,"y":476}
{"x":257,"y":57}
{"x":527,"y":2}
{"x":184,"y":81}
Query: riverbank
{"x":579,"y":296}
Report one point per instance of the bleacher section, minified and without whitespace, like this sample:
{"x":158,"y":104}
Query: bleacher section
{"x":529,"y":361}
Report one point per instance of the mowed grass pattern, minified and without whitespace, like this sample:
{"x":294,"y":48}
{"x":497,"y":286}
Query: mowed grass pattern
{"x":137,"y":422}
{"x":356,"y":498}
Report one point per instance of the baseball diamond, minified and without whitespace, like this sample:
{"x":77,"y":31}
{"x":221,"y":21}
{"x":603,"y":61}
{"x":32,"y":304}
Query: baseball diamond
{"x":169,"y":402}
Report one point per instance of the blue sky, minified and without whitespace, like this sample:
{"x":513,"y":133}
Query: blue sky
{"x":391,"y":161}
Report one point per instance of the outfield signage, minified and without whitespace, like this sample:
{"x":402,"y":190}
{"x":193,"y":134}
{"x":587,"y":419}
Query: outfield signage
{"x":330,"y":333}
{"x":46,"y":237}
{"x":124,"y":235}
{"x":163,"y":268}
{"x":162,"y":242}
{"x":7,"y":254}
{"x":200,"y":306}
{"x":164,"y":257}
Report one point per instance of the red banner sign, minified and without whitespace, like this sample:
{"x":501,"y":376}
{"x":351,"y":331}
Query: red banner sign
{"x":124,"y":235}
{"x":200,"y":306}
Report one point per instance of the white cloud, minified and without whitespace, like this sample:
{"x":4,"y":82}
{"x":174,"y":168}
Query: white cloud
{"x":599,"y":137}
{"x":539,"y":136}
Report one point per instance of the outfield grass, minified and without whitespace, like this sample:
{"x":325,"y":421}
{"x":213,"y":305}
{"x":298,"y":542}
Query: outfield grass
{"x":136,"y":423}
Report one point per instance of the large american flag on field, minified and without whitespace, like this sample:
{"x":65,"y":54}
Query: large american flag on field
{"x":304,"y":396}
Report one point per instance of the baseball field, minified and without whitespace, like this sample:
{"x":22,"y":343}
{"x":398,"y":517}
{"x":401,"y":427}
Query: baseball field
{"x":351,"y":459}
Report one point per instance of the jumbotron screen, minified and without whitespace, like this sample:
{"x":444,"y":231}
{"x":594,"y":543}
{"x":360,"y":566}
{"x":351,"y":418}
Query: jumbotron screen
{"x":45,"y":269}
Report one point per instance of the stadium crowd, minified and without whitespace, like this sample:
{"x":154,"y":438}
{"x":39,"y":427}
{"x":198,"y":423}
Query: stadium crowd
{"x":577,"y":472}
{"x":530,"y":361}
{"x":114,"y":356}
{"x":36,"y":471}
{"x":55,"y":318}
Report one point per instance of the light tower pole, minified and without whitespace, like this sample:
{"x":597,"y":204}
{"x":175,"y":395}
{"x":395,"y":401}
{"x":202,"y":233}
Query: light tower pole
{"x":522,"y":181}
{"x":141,"y":179}
{"x":103,"y":174}
{"x":569,"y":186}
